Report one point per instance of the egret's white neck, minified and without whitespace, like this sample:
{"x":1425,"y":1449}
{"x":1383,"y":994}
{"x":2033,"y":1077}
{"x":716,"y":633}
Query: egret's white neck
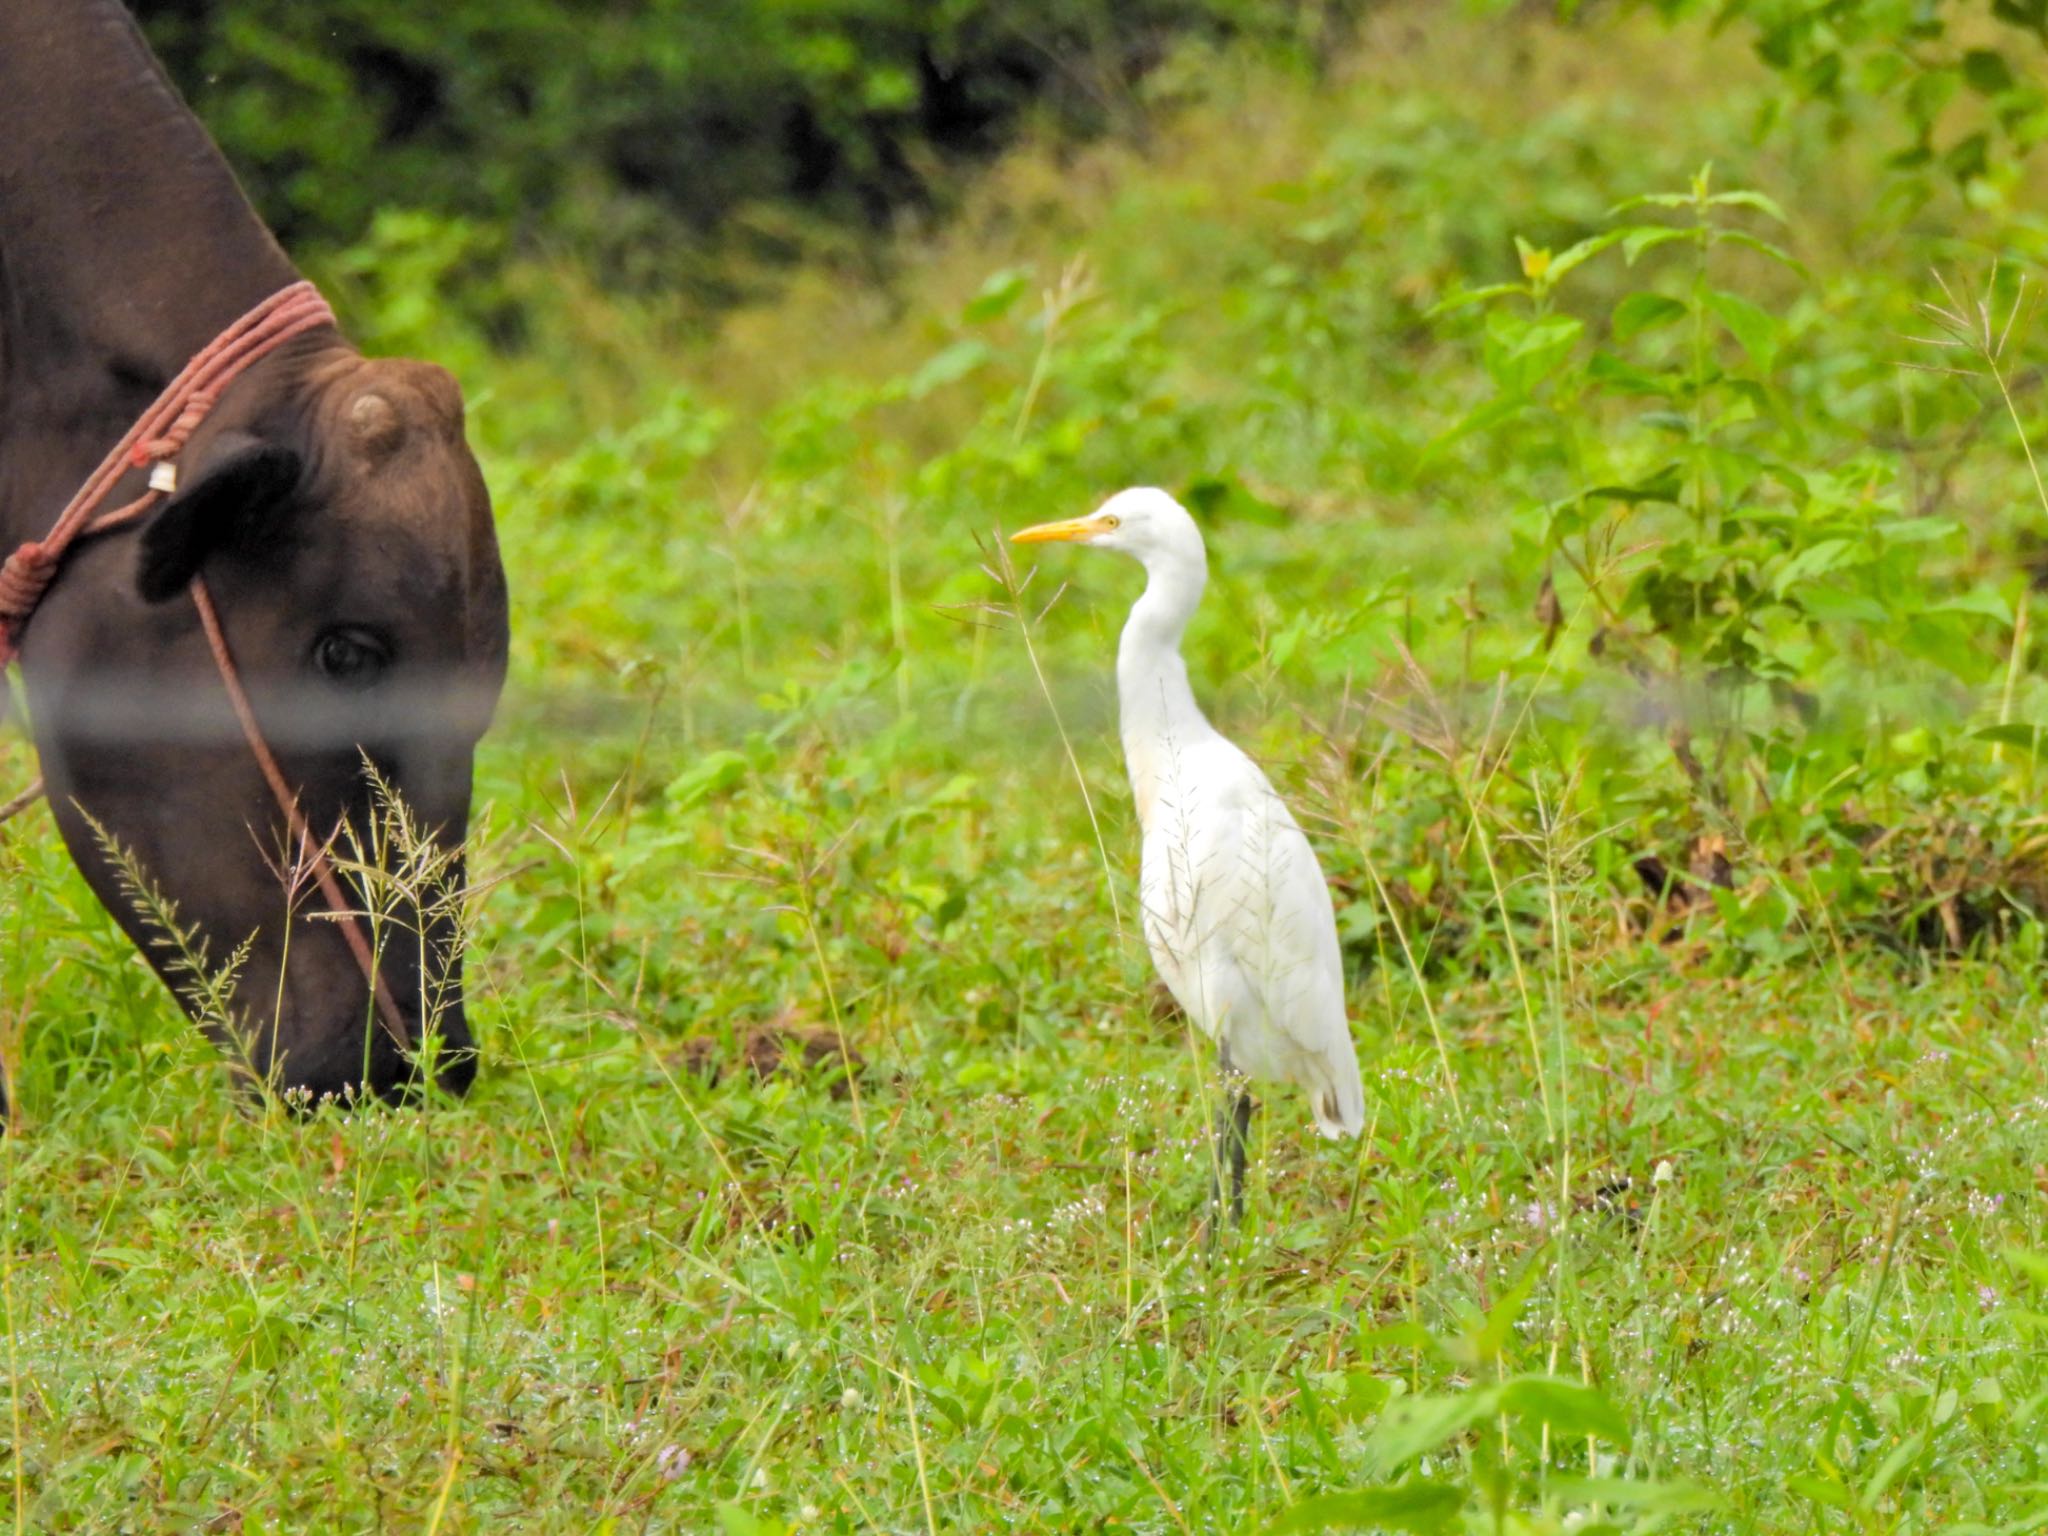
{"x":1155,"y":705}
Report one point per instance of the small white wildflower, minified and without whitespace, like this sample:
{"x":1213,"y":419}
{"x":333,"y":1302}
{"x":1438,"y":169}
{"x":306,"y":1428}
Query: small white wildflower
{"x":850,"y":1398}
{"x":1665,"y":1172}
{"x":761,"y":1479}
{"x":808,"y":1512}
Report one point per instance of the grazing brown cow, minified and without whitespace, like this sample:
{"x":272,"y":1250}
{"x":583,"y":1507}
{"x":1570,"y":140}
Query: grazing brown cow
{"x":334,"y":510}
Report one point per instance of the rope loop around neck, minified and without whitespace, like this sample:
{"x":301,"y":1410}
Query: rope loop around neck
{"x":158,"y":436}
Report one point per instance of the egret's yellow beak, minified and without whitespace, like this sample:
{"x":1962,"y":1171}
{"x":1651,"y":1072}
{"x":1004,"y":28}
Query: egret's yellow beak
{"x":1073,"y":530}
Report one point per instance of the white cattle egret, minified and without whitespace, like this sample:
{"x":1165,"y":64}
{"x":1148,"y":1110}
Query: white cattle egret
{"x":1237,"y":915}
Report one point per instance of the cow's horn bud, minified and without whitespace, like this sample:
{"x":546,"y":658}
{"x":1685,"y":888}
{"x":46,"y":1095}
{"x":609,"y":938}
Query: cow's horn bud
{"x":375,"y":424}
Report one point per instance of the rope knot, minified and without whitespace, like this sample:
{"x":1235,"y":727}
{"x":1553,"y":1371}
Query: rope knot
{"x":171,"y":441}
{"x":24,"y":578}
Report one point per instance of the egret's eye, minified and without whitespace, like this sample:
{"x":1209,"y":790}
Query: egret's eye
{"x":1111,"y":520}
{"x":350,"y":658}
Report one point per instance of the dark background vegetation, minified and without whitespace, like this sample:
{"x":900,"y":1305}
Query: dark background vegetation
{"x":629,"y":134}
{"x":605,"y":124}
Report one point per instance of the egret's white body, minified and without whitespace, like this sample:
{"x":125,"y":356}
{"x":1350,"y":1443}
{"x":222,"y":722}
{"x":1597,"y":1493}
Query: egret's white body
{"x":1236,"y":912}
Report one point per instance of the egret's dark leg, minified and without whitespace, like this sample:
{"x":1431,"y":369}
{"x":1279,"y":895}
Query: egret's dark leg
{"x":1233,"y":1123}
{"x":1240,"y":1111}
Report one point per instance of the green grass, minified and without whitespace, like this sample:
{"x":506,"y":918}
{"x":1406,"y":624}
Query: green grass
{"x":774,"y":753}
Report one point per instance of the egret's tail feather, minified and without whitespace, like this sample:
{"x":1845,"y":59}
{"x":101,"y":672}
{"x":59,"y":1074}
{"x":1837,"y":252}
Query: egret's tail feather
{"x":1339,"y":1106}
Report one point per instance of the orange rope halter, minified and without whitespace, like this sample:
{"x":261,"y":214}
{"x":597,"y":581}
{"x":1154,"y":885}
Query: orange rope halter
{"x":156,"y":439}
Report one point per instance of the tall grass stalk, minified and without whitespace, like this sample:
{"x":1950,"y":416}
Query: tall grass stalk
{"x":1003,"y":571}
{"x":1074,"y":288}
{"x":18,"y":1444}
{"x":1972,"y":328}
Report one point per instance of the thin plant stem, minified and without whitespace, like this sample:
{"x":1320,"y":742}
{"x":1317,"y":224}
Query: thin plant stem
{"x":1522,"y":990}
{"x":2012,"y":670}
{"x":1436,"y":1032}
{"x":924,"y":1483}
{"x":1006,"y":573}
{"x":810,"y":917}
{"x":8,"y":1141}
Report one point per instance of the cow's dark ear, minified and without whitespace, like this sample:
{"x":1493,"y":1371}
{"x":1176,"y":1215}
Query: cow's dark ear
{"x":242,"y":479}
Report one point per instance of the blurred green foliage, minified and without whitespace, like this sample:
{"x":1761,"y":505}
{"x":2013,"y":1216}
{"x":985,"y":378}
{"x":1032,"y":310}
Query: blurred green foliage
{"x":623,"y":129}
{"x":1919,"y":57}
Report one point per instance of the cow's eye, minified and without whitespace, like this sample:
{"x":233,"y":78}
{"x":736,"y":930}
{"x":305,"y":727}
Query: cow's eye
{"x":350,"y":657}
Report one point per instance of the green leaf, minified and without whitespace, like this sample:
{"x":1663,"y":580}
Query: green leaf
{"x":1929,"y":91}
{"x":712,"y":774}
{"x":1762,"y":247}
{"x":1917,"y":530}
{"x":1640,"y":312}
{"x":1397,"y":1336}
{"x":1673,"y":1498}
{"x":1814,"y":560}
{"x":1570,"y":1408}
{"x":888,"y":89}
{"x":1761,"y":202}
{"x":2033,"y":1265}
{"x":1820,"y":1490}
{"x":1666,"y":484}
{"x":999,"y":292}
{"x":1617,"y":373}
{"x":1410,"y":1506}
{"x":1573,"y":256}
{"x":947,"y":367}
{"x":1652,"y":200}
{"x":1756,"y":329}
{"x":738,"y":1520}
{"x":1969,"y":157}
{"x":1214,"y":497}
{"x":1415,"y":1426}
{"x":1547,"y":337}
{"x":1902,"y":1456}
{"x":1980,"y":603}
{"x":1828,"y":605}
{"x":2031,"y":739}
{"x":1495,"y":412}
{"x":1464,"y":298}
{"x":1365,"y":1393}
{"x":1986,"y":72}
{"x":1648,"y":237}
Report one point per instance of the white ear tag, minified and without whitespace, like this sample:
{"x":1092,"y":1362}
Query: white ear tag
{"x":163,"y":476}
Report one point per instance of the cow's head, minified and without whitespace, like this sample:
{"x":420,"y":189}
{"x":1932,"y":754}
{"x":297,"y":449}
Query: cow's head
{"x":345,"y":534}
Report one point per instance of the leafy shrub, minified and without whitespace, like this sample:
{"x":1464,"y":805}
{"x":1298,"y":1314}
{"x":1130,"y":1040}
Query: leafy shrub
{"x":1966,"y":99}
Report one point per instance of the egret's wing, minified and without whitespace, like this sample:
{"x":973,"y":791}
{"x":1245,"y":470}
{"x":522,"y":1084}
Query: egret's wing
{"x":1241,"y":929}
{"x":1286,"y":928}
{"x":1172,"y":892}
{"x":1277,"y":931}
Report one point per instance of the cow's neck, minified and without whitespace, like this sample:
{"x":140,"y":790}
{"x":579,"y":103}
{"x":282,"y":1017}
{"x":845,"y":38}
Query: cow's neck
{"x":125,"y":244}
